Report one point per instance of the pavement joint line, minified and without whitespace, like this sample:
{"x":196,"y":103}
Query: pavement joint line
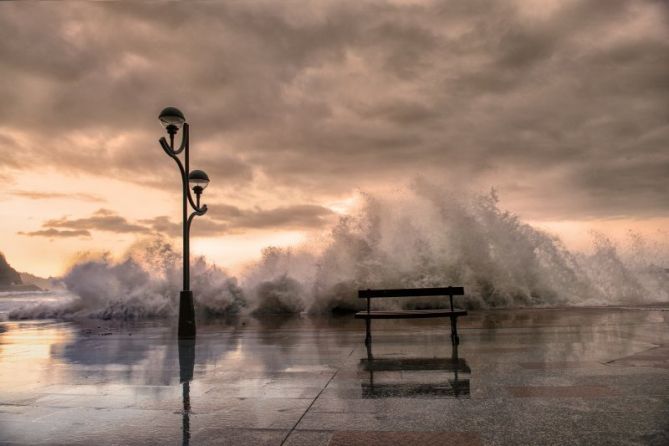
{"x":307,"y":409}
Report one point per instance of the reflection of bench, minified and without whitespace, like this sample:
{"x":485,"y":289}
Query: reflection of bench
{"x":453,"y":364}
{"x":428,"y":387}
{"x":451,"y":313}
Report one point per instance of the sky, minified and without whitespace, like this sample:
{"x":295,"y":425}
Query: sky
{"x":296,"y":108}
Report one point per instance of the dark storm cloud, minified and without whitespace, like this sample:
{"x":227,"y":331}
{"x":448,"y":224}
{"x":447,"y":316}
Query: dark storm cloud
{"x":56,"y":233}
{"x":562,"y":105}
{"x":202,"y":227}
{"x":286,"y":217}
{"x":163,"y":225}
{"x":222,"y":219}
{"x":101,"y":220}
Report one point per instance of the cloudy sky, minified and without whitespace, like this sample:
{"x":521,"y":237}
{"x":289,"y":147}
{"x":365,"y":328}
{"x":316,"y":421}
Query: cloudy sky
{"x":562,"y":107}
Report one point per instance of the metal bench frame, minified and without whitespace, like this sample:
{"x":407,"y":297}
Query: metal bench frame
{"x":453,"y":313}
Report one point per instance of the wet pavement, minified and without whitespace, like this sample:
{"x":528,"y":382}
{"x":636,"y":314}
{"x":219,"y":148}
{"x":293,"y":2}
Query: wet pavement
{"x":567,"y":376}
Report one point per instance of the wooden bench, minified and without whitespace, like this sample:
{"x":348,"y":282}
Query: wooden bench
{"x":452,"y":313}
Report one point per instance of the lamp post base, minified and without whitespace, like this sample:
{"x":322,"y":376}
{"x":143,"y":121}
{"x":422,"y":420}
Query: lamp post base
{"x":186,"y":315}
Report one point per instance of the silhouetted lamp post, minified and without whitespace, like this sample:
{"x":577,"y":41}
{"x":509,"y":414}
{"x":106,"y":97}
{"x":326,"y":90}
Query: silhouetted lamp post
{"x":197,"y":180}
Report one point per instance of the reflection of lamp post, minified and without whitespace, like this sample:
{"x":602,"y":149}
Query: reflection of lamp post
{"x":173,"y":119}
{"x":186,"y":368}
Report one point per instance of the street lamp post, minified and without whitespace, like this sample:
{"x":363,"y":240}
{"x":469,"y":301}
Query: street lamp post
{"x":173,"y":120}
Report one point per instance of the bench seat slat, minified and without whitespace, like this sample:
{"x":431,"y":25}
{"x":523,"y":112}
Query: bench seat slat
{"x":412,"y":292}
{"x":409,"y":314}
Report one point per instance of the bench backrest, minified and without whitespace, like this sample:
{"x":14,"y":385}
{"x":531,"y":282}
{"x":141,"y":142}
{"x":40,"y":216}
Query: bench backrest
{"x":449,"y":291}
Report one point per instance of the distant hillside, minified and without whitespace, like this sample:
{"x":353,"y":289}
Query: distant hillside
{"x":8,"y":275}
{"x":12,"y":280}
{"x":50,"y":283}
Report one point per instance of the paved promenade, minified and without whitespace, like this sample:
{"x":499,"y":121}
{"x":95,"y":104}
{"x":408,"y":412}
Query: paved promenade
{"x":526,"y":377}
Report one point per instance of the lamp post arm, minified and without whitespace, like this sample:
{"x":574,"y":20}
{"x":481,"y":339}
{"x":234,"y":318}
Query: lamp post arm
{"x":196,"y":212}
{"x":167,"y":147}
{"x":172,"y":154}
{"x":184,"y":170}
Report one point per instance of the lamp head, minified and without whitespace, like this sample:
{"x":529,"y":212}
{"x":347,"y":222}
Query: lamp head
{"x":198,"y":181}
{"x":172,"y":118}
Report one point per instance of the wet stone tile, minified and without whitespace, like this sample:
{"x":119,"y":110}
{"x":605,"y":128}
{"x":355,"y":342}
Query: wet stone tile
{"x":237,"y":437}
{"x":257,"y":414}
{"x":353,"y":438}
{"x":267,"y":391}
{"x":554,"y":415}
{"x":657,"y":357}
{"x":560,"y":391}
{"x":515,"y":437}
{"x":558,"y":365}
{"x":309,"y":438}
{"x":500,"y":350}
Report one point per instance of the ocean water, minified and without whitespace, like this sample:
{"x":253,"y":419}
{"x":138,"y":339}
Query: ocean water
{"x":11,"y":301}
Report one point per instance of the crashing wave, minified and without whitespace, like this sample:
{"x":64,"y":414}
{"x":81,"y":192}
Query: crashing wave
{"x":425,"y":237}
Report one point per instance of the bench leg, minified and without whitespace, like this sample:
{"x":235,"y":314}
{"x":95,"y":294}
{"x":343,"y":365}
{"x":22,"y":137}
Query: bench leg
{"x":455,"y":340}
{"x":368,"y":338}
{"x":456,"y":368}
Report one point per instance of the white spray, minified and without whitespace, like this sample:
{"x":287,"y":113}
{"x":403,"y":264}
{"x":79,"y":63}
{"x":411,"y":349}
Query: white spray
{"x":423,"y":237}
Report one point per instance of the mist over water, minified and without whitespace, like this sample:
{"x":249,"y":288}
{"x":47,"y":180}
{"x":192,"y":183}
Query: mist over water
{"x":422,"y":236}
{"x":144,"y":285}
